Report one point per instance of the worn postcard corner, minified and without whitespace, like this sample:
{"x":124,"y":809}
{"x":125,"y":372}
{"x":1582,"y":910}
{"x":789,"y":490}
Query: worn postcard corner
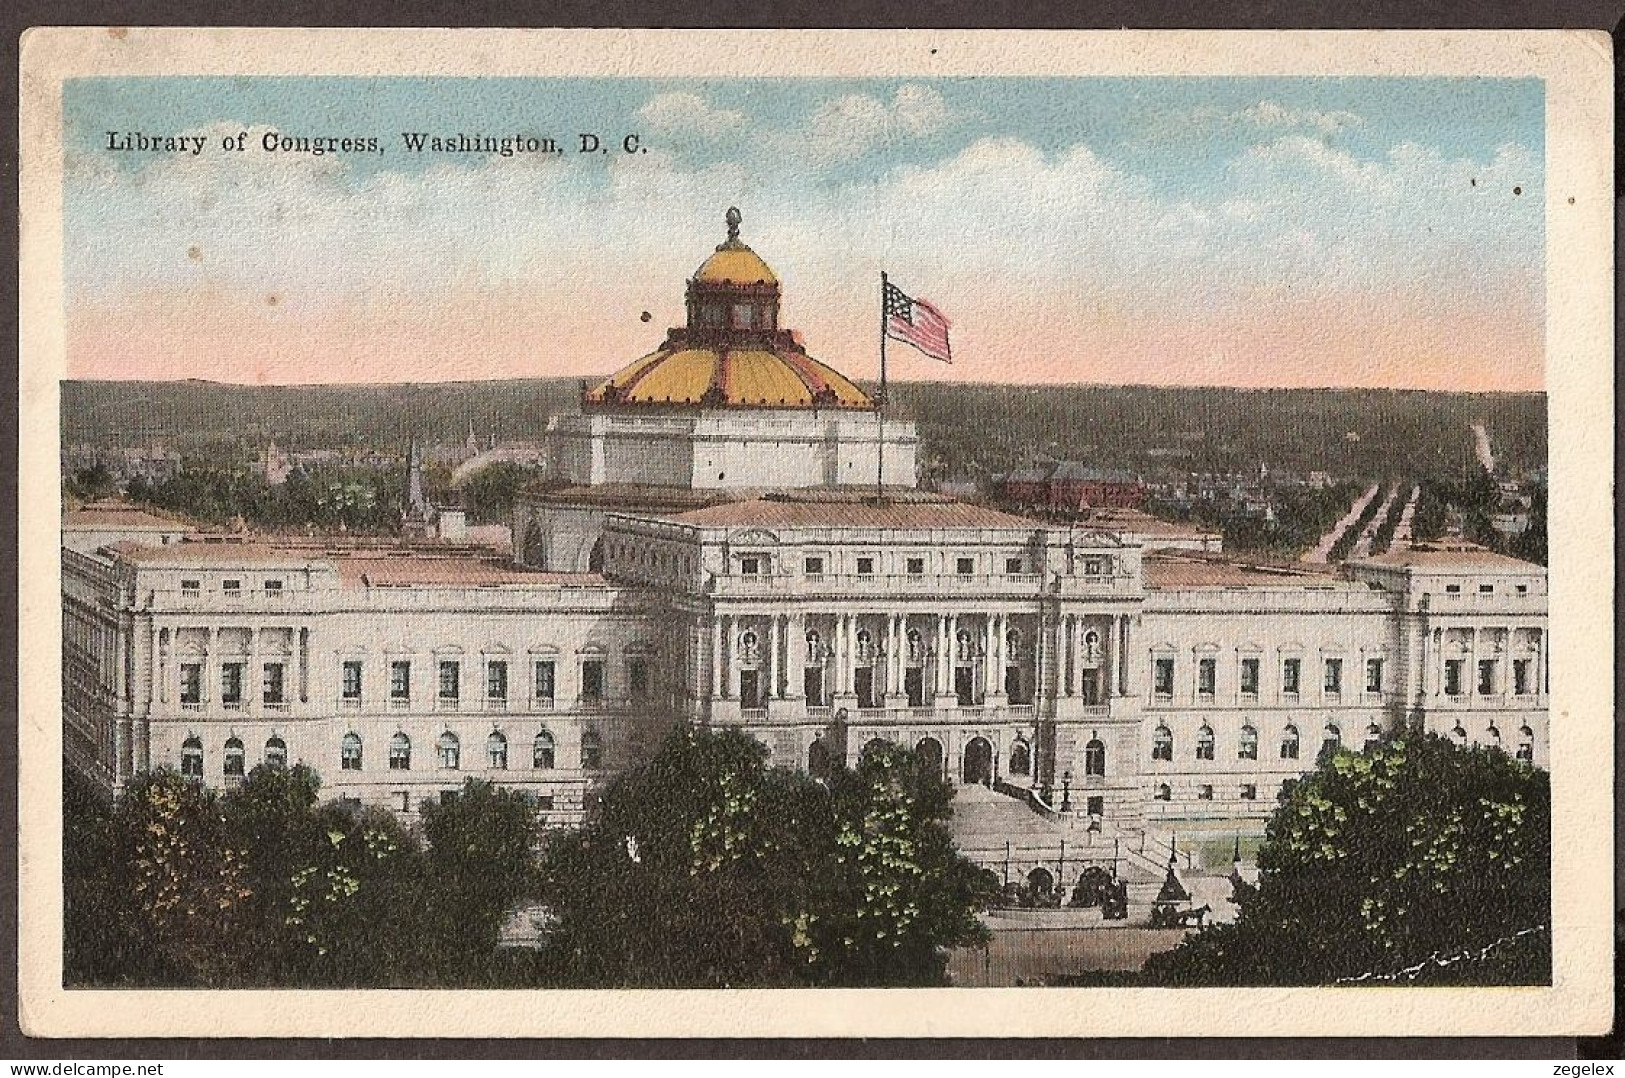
{"x":1064,"y":526}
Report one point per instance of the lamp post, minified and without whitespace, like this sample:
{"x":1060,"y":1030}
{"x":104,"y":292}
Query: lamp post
{"x":1066,"y":791}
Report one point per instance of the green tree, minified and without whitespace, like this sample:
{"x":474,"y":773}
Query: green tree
{"x":705,"y":868}
{"x":479,"y":862}
{"x":1380,"y":861}
{"x":179,"y":881}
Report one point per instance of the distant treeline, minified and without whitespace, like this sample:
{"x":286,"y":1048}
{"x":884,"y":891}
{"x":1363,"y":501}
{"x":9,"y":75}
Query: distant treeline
{"x":966,"y":429}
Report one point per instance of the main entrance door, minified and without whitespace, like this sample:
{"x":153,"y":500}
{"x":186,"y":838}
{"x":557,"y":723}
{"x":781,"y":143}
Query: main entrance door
{"x":977,"y":767}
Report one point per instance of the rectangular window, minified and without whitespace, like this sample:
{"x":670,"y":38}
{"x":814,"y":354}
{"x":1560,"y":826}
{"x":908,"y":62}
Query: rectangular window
{"x":592,"y":681}
{"x":915,"y":566}
{"x":231,"y":683}
{"x":191,"y":683}
{"x":965,"y":566}
{"x":1486,"y":677}
{"x":637,"y":679}
{"x":1486,"y":589}
{"x":1012,"y":566}
{"x":1452,"y":676}
{"x":273,"y":683}
{"x":1249,"y":677}
{"x":1373,"y":675}
{"x":1249,"y":792}
{"x":814,"y":566}
{"x":1291,"y":676}
{"x":1452,"y":589}
{"x":1163,"y":677}
{"x":1207,"y":676}
{"x":405,"y":797}
{"x":273,"y":588}
{"x":544,"y":801}
{"x":543,"y":685}
{"x":1520,"y":677}
{"x":232,"y":588}
{"x":191,"y":588}
{"x":400,"y":679}
{"x":1334,"y":677}
{"x":1523,"y":589}
{"x":1093,"y":566}
{"x":750,"y":565}
{"x":1205,"y":793}
{"x":866,"y":567}
{"x":352,"y":680}
{"x":450,"y":679}
{"x":496,"y":680}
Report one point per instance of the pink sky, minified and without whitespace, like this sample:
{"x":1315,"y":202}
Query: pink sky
{"x":1344,"y":338}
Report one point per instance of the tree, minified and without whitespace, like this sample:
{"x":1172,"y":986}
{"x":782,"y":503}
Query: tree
{"x":479,"y":863}
{"x":178,"y":882}
{"x":705,"y":868}
{"x":1386,"y":860}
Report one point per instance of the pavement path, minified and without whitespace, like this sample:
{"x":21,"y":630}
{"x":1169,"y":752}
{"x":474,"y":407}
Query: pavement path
{"x":1402,"y":530}
{"x":1362,"y":545}
{"x":1323,"y":549}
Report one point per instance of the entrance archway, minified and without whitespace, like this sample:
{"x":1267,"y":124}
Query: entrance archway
{"x":875,"y":744}
{"x":977,"y":766}
{"x":1041,"y":882}
{"x":929,"y":750}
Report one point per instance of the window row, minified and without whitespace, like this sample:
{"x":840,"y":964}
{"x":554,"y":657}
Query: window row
{"x":234,"y":681}
{"x":230,"y":588}
{"x":1247,"y":791}
{"x":448,"y":749}
{"x":1290,"y":744}
{"x":1248,"y":674}
{"x":817,"y":565}
{"x":1489,"y":677}
{"x":496,"y":685}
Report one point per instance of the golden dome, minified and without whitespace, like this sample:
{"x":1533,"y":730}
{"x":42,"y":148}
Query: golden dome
{"x":732,"y":353}
{"x":735,"y":265}
{"x":756,"y":377}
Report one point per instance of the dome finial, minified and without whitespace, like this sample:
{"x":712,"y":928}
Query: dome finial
{"x":733,"y":217}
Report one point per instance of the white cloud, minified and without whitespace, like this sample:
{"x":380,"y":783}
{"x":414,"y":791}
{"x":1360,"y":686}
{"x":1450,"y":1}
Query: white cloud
{"x":1271,"y":114}
{"x":850,"y":126}
{"x":679,"y":113}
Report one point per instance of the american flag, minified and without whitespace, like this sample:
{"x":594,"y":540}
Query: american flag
{"x":915,"y":322}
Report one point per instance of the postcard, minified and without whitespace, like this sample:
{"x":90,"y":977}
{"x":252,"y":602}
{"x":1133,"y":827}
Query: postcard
{"x":689,"y":533}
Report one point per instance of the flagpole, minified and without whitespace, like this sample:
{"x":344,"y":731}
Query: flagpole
{"x":880,"y":403}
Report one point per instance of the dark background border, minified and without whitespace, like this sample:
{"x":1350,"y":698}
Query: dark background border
{"x":928,"y":14}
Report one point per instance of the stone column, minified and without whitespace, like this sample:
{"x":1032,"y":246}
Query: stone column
{"x":1122,"y":657}
{"x":717,"y":687}
{"x":253,"y":676}
{"x":304,"y":666}
{"x":795,"y":655}
{"x":774,"y":638}
{"x":165,"y":643}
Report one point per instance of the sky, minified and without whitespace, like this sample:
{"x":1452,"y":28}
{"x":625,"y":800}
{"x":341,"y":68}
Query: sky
{"x":1240,"y":232}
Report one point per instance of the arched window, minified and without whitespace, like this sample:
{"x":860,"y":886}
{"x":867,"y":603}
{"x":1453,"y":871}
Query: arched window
{"x":595,"y":558}
{"x":815,"y":643}
{"x":535,"y":548}
{"x":192,"y":758}
{"x":1289,"y":743}
{"x":1012,"y":641}
{"x":1021,"y":758}
{"x":1165,"y":792}
{"x":350,"y":753}
{"x":1094,"y":758}
{"x":1204,"y":742}
{"x":1492,"y":736}
{"x":541,"y":752}
{"x":1373,"y":738}
{"x":1247,"y":747}
{"x":451,"y":751}
{"x":496,"y":751}
{"x":964,"y":648}
{"x":1459,"y":734}
{"x":400,"y":753}
{"x":1526,"y":745}
{"x":874,"y":745}
{"x":276,"y":752}
{"x":1331,"y":739}
{"x":1162,"y":744}
{"x":592,"y":750}
{"x":1091,"y":644}
{"x":234,"y":757}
